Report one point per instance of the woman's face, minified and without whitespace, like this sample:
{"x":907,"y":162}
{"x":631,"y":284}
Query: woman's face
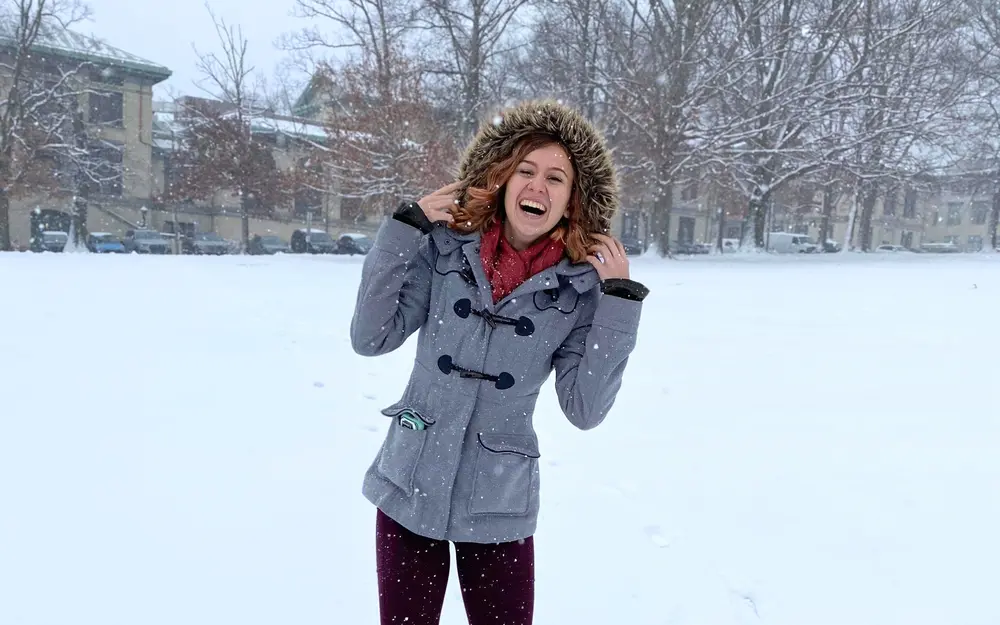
{"x":537,"y":195}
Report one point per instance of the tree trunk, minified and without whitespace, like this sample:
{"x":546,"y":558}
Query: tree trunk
{"x":4,"y":222}
{"x":663,"y":206}
{"x":758,"y":217}
{"x":851,"y":219}
{"x":868,"y":197}
{"x":245,"y":223}
{"x":82,"y":189}
{"x":991,"y":222}
{"x":79,"y":221}
{"x":473,"y":81}
{"x":824,"y":228}
{"x":720,"y":235}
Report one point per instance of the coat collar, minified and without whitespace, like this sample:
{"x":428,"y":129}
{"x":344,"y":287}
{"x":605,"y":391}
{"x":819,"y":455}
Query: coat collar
{"x":581,"y":276}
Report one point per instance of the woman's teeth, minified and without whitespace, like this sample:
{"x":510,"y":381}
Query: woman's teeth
{"x":533,"y":208}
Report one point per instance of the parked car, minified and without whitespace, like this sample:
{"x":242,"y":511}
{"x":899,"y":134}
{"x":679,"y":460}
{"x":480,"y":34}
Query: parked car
{"x":205,"y":243}
{"x":147,"y":242}
{"x":354,"y":244}
{"x":831,"y":247}
{"x":104,"y":243}
{"x":50,"y":241}
{"x":790,"y":243}
{"x":891,"y":249}
{"x":268,"y":244}
{"x":729,"y":246}
{"x":633,"y":246}
{"x":940,"y":248}
{"x":319,"y":242}
{"x":688,"y":249}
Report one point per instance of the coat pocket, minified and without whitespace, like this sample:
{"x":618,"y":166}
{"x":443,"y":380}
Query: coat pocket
{"x":506,"y":474}
{"x":400,"y":455}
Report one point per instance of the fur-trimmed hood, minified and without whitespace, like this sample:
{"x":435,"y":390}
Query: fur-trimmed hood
{"x":595,"y":171}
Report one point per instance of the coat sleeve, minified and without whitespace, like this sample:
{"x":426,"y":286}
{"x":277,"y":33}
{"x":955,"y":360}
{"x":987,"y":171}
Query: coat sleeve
{"x":395,"y":289}
{"x":590,"y":363}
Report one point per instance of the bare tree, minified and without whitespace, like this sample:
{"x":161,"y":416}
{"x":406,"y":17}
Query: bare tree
{"x":983,"y":120}
{"x":568,"y":52}
{"x":44,"y":145}
{"x":372,"y":29}
{"x":467,"y":37}
{"x":219,"y":150}
{"x":778,"y":89}
{"x":384,"y":146}
{"x":908,"y":81}
{"x":657,"y":89}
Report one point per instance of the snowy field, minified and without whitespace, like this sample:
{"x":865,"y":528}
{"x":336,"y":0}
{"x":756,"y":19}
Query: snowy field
{"x":802,"y":441}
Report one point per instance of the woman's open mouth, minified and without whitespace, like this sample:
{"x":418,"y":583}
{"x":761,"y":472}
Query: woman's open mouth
{"x":532,"y":208}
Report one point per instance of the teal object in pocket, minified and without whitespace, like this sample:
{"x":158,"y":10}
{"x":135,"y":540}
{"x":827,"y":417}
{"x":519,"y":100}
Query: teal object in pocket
{"x":411,"y":421}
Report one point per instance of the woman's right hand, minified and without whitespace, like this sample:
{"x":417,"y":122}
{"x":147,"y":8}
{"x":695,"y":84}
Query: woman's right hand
{"x":437,"y":206}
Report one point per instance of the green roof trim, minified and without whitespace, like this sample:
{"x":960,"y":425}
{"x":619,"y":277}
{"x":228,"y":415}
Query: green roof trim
{"x":70,"y":44}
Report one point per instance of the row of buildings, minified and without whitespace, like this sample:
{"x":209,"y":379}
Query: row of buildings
{"x":953,"y":209}
{"x":121,"y":111}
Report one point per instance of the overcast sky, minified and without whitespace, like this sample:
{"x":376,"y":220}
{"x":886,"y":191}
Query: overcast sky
{"x":163,"y":32}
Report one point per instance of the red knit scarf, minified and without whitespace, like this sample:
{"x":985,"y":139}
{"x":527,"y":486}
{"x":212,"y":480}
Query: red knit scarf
{"x":507,"y":267}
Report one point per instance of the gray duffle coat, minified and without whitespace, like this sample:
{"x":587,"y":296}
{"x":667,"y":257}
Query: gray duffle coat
{"x":472,"y":475}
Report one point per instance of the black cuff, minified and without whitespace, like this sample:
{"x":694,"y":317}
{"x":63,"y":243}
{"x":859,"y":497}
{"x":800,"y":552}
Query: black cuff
{"x":624,"y":288}
{"x":411,"y":214}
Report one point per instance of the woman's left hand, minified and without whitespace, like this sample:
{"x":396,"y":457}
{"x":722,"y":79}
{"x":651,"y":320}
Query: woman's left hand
{"x":608,"y":257}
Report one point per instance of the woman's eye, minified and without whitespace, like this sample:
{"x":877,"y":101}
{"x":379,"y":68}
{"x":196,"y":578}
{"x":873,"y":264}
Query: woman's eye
{"x":555,"y":179}
{"x":526,"y":172}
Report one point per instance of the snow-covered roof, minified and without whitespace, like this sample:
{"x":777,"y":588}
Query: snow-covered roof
{"x":292,"y":128}
{"x":164,"y":144}
{"x":166,"y":126}
{"x":68,"y":43}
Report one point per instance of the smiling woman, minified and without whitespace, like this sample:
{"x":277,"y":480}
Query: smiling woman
{"x":535,"y":184}
{"x":514,"y":265}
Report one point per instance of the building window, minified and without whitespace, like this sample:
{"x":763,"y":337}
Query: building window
{"x":106,"y":108}
{"x":975,"y":243}
{"x":351,"y":209}
{"x":255,"y":206}
{"x":980,"y":212}
{"x":690,"y":192}
{"x":107,"y":76}
{"x":685,"y":230}
{"x":952,"y":239}
{"x":889,"y":205}
{"x":104,"y":169}
{"x":630,"y":224}
{"x":954,"y":213}
{"x":308,"y":200}
{"x":910,"y":204}
{"x":185,"y":228}
{"x":906,"y":239}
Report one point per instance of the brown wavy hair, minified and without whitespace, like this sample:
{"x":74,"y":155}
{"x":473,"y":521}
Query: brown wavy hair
{"x":482,"y":206}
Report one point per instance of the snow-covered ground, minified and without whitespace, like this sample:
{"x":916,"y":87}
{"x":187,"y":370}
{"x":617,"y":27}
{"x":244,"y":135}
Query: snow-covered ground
{"x":801,"y":441}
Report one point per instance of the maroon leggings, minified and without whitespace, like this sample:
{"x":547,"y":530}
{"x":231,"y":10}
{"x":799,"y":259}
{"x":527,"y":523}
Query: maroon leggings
{"x":497,"y":580}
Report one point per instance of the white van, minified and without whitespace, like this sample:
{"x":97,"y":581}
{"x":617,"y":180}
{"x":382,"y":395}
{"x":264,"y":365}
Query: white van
{"x":790,"y":243}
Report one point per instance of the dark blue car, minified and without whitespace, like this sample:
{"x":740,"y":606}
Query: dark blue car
{"x":105,"y":243}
